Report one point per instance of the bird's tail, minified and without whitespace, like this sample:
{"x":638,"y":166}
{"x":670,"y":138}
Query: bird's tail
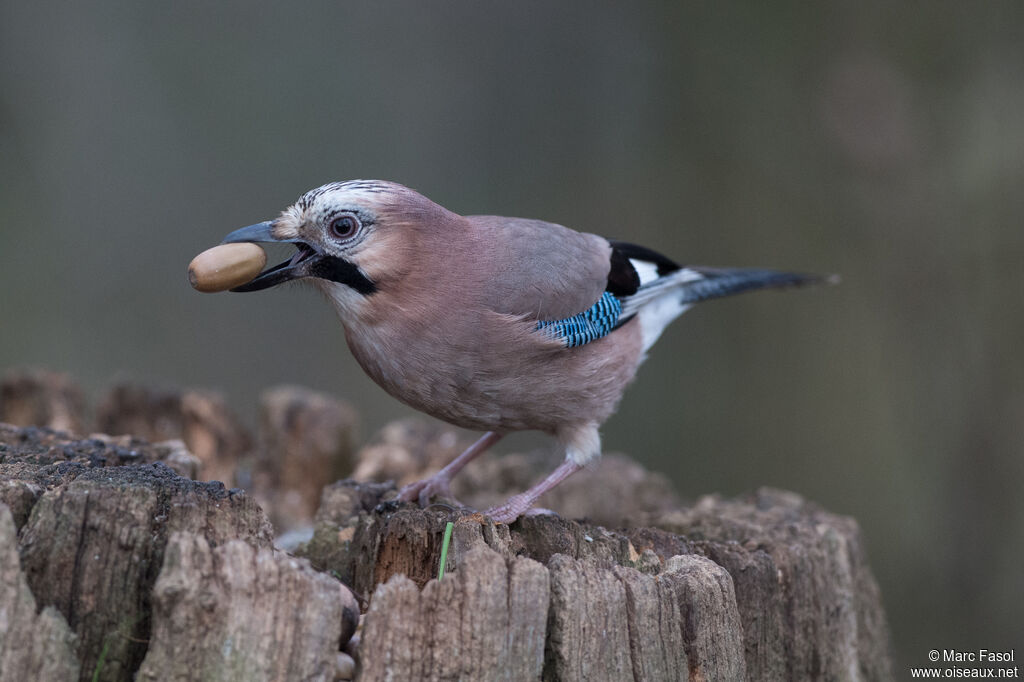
{"x":692,"y":284}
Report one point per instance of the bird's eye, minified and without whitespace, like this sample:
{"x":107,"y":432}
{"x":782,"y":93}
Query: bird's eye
{"x":344,"y":226}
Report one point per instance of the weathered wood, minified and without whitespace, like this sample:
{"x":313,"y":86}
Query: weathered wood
{"x":306,"y":441}
{"x":201,"y":419}
{"x":93,"y":539}
{"x":712,"y":631}
{"x":235,"y":612}
{"x":36,"y":397}
{"x":173,"y":453}
{"x":93,"y":547}
{"x":33,"y":646}
{"x":655,"y":627}
{"x":588,"y":626}
{"x":764,"y":588}
{"x":602,"y":623}
{"x":365,"y":541}
{"x":809,"y":603}
{"x":484,"y":621}
{"x":33,"y":460}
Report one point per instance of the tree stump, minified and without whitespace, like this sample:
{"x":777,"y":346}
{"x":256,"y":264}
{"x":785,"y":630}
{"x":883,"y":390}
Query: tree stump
{"x":235,"y":612}
{"x":488,"y":623}
{"x":33,"y":646}
{"x":135,"y":565}
{"x":765,"y":588}
{"x":125,"y":568}
{"x":93,"y":538}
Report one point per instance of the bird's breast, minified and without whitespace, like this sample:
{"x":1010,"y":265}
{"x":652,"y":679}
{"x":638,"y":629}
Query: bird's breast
{"x":497,"y":373}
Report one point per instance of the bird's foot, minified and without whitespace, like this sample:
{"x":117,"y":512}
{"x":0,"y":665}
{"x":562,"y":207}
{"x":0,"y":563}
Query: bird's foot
{"x":421,"y":491}
{"x":517,"y":505}
{"x":513,"y":508}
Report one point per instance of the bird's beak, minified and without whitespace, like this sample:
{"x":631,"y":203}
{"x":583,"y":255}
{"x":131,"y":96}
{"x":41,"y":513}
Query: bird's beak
{"x":303,"y":264}
{"x":260,"y":232}
{"x":307,"y":262}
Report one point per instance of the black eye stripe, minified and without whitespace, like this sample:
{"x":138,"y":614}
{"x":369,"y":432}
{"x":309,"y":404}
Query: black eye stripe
{"x":344,"y":272}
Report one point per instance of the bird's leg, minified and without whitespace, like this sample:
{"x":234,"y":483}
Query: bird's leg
{"x":438,"y":484}
{"x":516,"y":505}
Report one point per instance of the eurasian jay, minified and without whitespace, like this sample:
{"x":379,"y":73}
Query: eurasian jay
{"x":489,"y":323}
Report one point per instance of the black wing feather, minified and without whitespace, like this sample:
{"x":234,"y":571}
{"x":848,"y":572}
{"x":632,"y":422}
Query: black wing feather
{"x":664,"y":264}
{"x":623,"y":279}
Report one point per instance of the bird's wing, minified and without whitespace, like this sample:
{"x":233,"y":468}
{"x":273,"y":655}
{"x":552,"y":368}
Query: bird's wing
{"x":575,"y":286}
{"x":580,"y":287}
{"x":538,"y":270}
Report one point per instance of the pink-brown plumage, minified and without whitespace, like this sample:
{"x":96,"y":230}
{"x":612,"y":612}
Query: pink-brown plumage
{"x":443,"y":312}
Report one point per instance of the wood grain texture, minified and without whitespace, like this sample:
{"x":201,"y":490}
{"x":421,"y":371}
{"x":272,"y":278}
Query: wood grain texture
{"x":95,"y":521}
{"x":766,"y":587}
{"x":483,"y":621}
{"x":33,"y":645}
{"x":237,"y":612}
{"x":588,"y":627}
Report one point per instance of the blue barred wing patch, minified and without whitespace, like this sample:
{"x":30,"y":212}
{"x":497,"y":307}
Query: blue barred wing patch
{"x":590,"y":325}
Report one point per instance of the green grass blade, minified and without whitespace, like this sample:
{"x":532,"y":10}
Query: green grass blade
{"x":444,"y":549}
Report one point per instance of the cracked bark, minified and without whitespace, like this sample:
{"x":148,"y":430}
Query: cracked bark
{"x":95,"y":518}
{"x":33,"y":645}
{"x":763,"y":588}
{"x":123,"y":555}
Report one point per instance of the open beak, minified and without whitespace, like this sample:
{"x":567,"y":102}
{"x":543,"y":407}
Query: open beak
{"x":307,"y":262}
{"x":303,"y":264}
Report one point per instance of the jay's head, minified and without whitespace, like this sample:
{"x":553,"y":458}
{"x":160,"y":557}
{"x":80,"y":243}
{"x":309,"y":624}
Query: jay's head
{"x":351,"y":237}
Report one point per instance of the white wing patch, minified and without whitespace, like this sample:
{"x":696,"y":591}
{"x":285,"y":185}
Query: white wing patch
{"x":656,"y":310}
{"x":656,"y":315}
{"x":647,"y":270}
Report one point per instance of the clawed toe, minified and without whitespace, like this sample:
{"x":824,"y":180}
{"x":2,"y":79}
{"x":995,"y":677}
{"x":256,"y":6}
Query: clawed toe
{"x":422,"y":491}
{"x":410,"y":492}
{"x":501,"y":515}
{"x":513,"y":508}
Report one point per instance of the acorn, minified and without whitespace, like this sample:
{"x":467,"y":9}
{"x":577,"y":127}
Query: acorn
{"x":226,"y":266}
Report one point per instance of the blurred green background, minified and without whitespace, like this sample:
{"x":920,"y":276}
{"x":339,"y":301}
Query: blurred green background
{"x":883,"y":141}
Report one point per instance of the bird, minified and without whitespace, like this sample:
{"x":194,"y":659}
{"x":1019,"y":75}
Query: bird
{"x":490,"y":323}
